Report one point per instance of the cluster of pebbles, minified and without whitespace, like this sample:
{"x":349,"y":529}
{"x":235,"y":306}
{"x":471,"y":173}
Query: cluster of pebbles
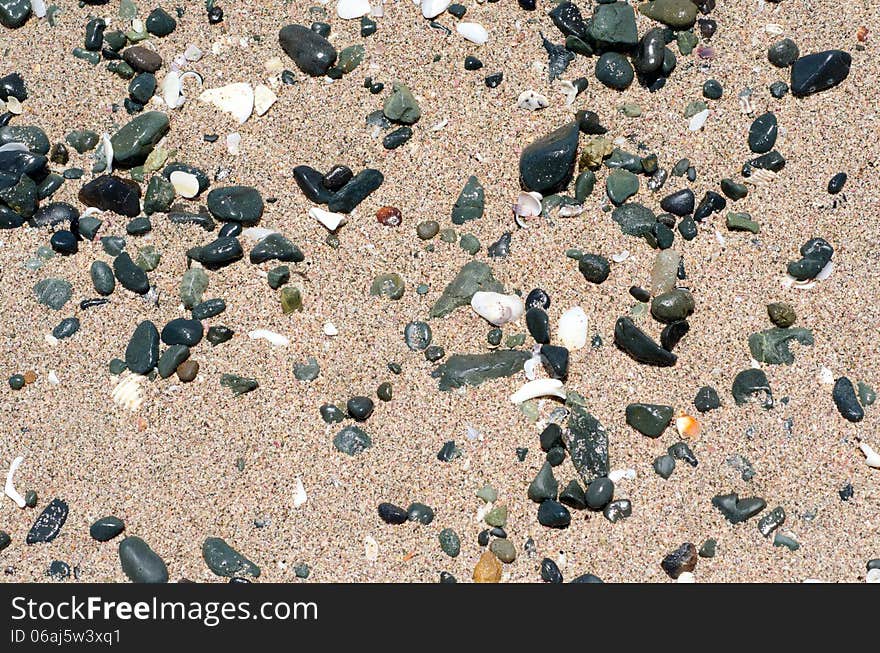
{"x":137,"y":177}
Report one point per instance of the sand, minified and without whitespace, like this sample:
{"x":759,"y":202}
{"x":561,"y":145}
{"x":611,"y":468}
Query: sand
{"x":169,"y":470}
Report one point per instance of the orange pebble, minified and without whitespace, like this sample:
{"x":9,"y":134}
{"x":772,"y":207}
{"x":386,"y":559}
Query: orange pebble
{"x":30,"y":376}
{"x":688,"y":427}
{"x":488,"y":569}
{"x":389,"y":216}
{"x":862,"y":34}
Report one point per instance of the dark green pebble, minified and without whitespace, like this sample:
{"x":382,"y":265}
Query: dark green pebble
{"x":573,"y":496}
{"x":427,"y":230}
{"x":394,"y":368}
{"x":321,"y":28}
{"x":595,"y":268}
{"x":556,"y":456}
{"x":106,"y":528}
{"x":91,"y":57}
{"x":301,"y":570}
{"x":553,"y":514}
{"x":734,"y":190}
{"x":783,"y":540}
{"x":391,"y":514}
{"x":384,"y":391}
{"x":160,"y":23}
{"x":73,"y":173}
{"x":521,"y":453}
{"x":49,"y":185}
{"x":66,"y":328}
{"x":171,"y":358}
{"x":712,"y":89}
{"x":30,"y":499}
{"x":360,"y":408}
{"x":707,"y":399}
{"x":846,"y":400}
{"x":5,"y":540}
{"x":419,"y":512}
{"x":707,"y":550}
{"x":208,"y":309}
{"x":472,"y":63}
{"x":783,"y":53}
{"x":16,"y":381}
{"x":142,"y":87}
{"x":368,"y":27}
{"x":687,"y":228}
{"x":457,"y":10}
{"x":117,"y":366}
{"x":64,"y":242}
{"x":494,"y":337}
{"x":448,"y":452}
{"x":664,"y":466}
{"x":599,"y":493}
{"x":649,"y":419}
{"x":417,"y":335}
{"x":138,"y":227}
{"x":331,"y":414}
{"x":778,"y":90}
{"x":278,"y":276}
{"x":450,"y":543}
{"x":737,"y":510}
{"x":434,"y":353}
{"x":219,"y":334}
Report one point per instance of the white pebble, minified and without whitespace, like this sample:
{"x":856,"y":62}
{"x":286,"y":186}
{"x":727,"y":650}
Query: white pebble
{"x":686,"y":577}
{"x":873,"y":576}
{"x":330,"y":329}
{"x":192,"y":53}
{"x":433,"y":8}
{"x":371,"y":548}
{"x":617,"y":475}
{"x":350,"y":9}
{"x":826,"y":376}
{"x":698,"y":120}
{"x":53,"y":378}
{"x":496,"y":308}
{"x":39,"y":8}
{"x":532,"y":101}
{"x":233,"y":143}
{"x":299,"y":494}
{"x":473,"y":32}
{"x":185,"y":183}
{"x":276,"y":339}
{"x":332,"y":221}
{"x":573,"y":328}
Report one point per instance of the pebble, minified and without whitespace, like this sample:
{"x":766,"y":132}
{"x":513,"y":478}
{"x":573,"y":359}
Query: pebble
{"x":547,"y":164}
{"x":140,"y":563}
{"x":187,"y":371}
{"x":783,"y":53}
{"x":225,"y":561}
{"x":636,"y":343}
{"x":49,"y":523}
{"x":683,"y":559}
{"x":762,"y":133}
{"x":503,"y":550}
{"x":487,"y":569}
{"x":846,"y":401}
{"x":241,"y":204}
{"x":106,"y":528}
{"x":391,"y":514}
{"x":470,"y":203}
{"x":819,"y":72}
{"x":553,"y":514}
{"x":312,"y":53}
{"x":649,"y":419}
{"x":614,"y":71}
{"x":450,"y":543}
{"x":352,"y":440}
{"x":737,"y":510}
{"x":112,"y":193}
{"x":594,"y":268}
{"x":836,"y":183}
{"x":66,"y":328}
{"x":599,"y":493}
{"x":664,"y":465}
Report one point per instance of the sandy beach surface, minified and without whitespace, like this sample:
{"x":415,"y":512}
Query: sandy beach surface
{"x":169,"y":470}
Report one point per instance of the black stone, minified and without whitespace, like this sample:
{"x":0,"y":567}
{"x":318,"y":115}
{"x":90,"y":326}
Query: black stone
{"x":773,"y":161}
{"x":595,"y":268}
{"x":360,"y":408}
{"x":635,"y":342}
{"x":181,"y":331}
{"x":762,"y":133}
{"x":217,"y":253}
{"x":361,"y":186}
{"x":599,"y":493}
{"x":846,"y":400}
{"x":836,"y":183}
{"x":49,"y":523}
{"x":680,"y":203}
{"x":573,"y":496}
{"x":391,"y":514}
{"x":673,"y":333}
{"x":711,"y":203}
{"x":707,"y":399}
{"x":336,"y":178}
{"x":112,"y":193}
{"x":553,"y":514}
{"x":538,"y":324}
{"x":555,"y":360}
{"x":130,"y":275}
{"x":106,"y":528}
{"x":64,"y":242}
{"x":551,"y":437}
{"x":312,"y":53}
{"x":737,"y":510}
{"x":818,"y":72}
{"x":278,"y":248}
{"x":550,"y":571}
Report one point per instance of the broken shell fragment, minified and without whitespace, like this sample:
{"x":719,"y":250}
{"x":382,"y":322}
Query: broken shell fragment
{"x":532,"y":101}
{"x":528,"y":205}
{"x":10,"y":488}
{"x":332,"y":221}
{"x":236,"y":99}
{"x":687,"y":426}
{"x":128,"y":392}
{"x":538,"y":388}
{"x":275,"y":339}
{"x":473,"y":32}
{"x":496,"y":308}
{"x":185,"y":183}
{"x":264,"y":98}
{"x":872,"y":458}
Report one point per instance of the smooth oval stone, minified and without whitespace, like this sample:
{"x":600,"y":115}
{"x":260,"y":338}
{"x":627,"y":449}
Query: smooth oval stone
{"x":49,"y":523}
{"x":112,"y":193}
{"x":835,"y":184}
{"x":66,"y":328}
{"x":762,"y":133}
{"x":636,"y":343}
{"x":671,"y":306}
{"x":595,"y":268}
{"x":160,"y":23}
{"x":54,"y":293}
{"x":352,"y":440}
{"x":538,"y":324}
{"x":361,"y":186}
{"x":64,"y":242}
{"x":276,"y":247}
{"x":142,"y":352}
{"x":614,"y":71}
{"x":712,"y":89}
{"x":130,"y":275}
{"x":749,"y":383}
{"x":241,"y":204}
{"x":311,"y":52}
{"x":217,"y":253}
{"x":391,"y":514}
{"x":181,"y":331}
{"x":142,"y":87}
{"x":140,"y":563}
{"x":553,"y":514}
{"x":387,"y":285}
{"x":419,"y":512}
{"x":818,"y":72}
{"x":171,"y":358}
{"x":680,"y":203}
{"x":225,"y":561}
{"x":33,"y":137}
{"x":51,"y":183}
{"x":209,"y":308}
{"x":360,"y":408}
{"x":142,"y":59}
{"x":650,"y":51}
{"x":135,"y":140}
{"x":53,"y":214}
{"x":102,"y":278}
{"x":649,"y":419}
{"x":417,"y":335}
{"x":547,"y":164}
{"x":599,"y":493}
{"x":846,"y":400}
{"x":621,"y":185}
{"x":783,"y":53}
{"x":450,"y":543}
{"x":664,"y":466}
{"x":106,"y":528}
{"x":550,"y":571}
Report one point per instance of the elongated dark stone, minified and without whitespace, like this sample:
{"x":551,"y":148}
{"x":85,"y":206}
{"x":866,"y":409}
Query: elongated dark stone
{"x":130,"y":275}
{"x":636,"y":343}
{"x":310,"y":182}
{"x":217,"y":253}
{"x":140,"y":563}
{"x":847,"y":402}
{"x":762,"y":133}
{"x":112,"y":193}
{"x":310,"y":51}
{"x":773,"y":161}
{"x":49,"y":523}
{"x":142,"y":353}
{"x":818,"y":72}
{"x":361,"y":186}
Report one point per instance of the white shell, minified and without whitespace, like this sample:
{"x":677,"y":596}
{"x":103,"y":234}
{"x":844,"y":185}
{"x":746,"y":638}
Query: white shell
{"x":573,"y":328}
{"x":330,"y":220}
{"x":39,"y":8}
{"x":13,"y":105}
{"x":257,"y":233}
{"x":171,"y":89}
{"x":569,"y":90}
{"x":698,"y":120}
{"x":528,"y":205}
{"x":538,"y":388}
{"x":104,"y":154}
{"x":531,"y":366}
{"x":350,"y":9}
{"x":532,"y":101}
{"x":264,"y":98}
{"x":826,"y":376}
{"x":571,"y":210}
{"x":616,"y":475}
{"x":433,"y":8}
{"x":473,"y":32}
{"x":496,"y":308}
{"x":872,"y":458}
{"x":10,"y":488}
{"x":276,"y":339}
{"x":53,"y":378}
{"x":330,"y":329}
{"x":371,"y":548}
{"x":236,"y":99}
{"x":686,"y":577}
{"x":233,"y":143}
{"x":185,"y":183}
{"x":299,"y":494}
{"x":128,"y":392}
{"x":620,"y":257}
{"x":873,"y":576}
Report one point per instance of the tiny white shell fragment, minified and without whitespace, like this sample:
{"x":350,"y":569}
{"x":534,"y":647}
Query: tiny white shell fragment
{"x":236,"y":99}
{"x":39,"y":8}
{"x":620,"y":257}
{"x":433,"y":8}
{"x":573,"y":328}
{"x":532,"y":101}
{"x":371,"y":548}
{"x":873,"y":576}
{"x":330,"y":329}
{"x":299,"y":494}
{"x":128,"y":392}
{"x":350,"y":9}
{"x":185,"y":183}
{"x":617,"y":475}
{"x":773,"y":28}
{"x":50,"y":339}
{"x":276,"y":339}
{"x":53,"y":378}
{"x":872,"y":458}
{"x":104,"y":155}
{"x":531,"y":366}
{"x":171,"y":89}
{"x":192,"y":53}
{"x":569,"y":90}
{"x":686,"y":577}
{"x":332,"y":221}
{"x":473,"y":32}
{"x":571,"y":210}
{"x":13,"y":105}
{"x":496,"y":308}
{"x":698,"y":120}
{"x":9,"y":489}
{"x":528,"y":205}
{"x":440,"y":125}
{"x":257,"y":233}
{"x":264,"y":98}
{"x":538,"y":388}
{"x":233,"y":143}
{"x":826,"y":376}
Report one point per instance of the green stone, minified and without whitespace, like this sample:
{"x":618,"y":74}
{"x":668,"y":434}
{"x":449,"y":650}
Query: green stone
{"x":22,"y":197}
{"x":134,"y":141}
{"x":781,"y":314}
{"x":241,"y":204}
{"x":291,"y":299}
{"x":142,"y":352}
{"x":544,"y":486}
{"x":33,"y":137}
{"x":91,"y":57}
{"x":159,"y":22}
{"x":750,"y":383}
{"x":147,"y":258}
{"x":127,"y":10}
{"x":307,"y":371}
{"x":448,"y":235}
{"x":614,"y":26}
{"x":742,"y":222}
{"x":574,"y":253}
{"x":417,"y":335}
{"x":634,"y":219}
{"x":867,"y":396}
{"x":469,"y":243}
{"x":783,"y":540}
{"x":547,"y":164}
{"x":350,"y":58}
{"x":772,"y":346}
{"x":584,"y":184}
{"x":470,"y":202}
{"x":238,"y":384}
{"x":515,"y":340}
{"x":225,"y":561}
{"x":171,"y":358}
{"x":586,"y":440}
{"x":503,"y":550}
{"x":427,"y":230}
{"x":384,"y":391}
{"x":192,"y":286}
{"x":352,"y":440}
{"x":450,"y":543}
{"x":676,"y":304}
{"x":16,"y":382}
{"x":649,"y":419}
{"x":117,"y":366}
{"x":686,"y":42}
{"x":387,"y":285}
{"x":54,"y":293}
{"x":488,"y":494}
{"x":621,"y":185}
{"x":474,"y":276}
{"x":693,"y":108}
{"x":474,"y":369}
{"x":678,"y":14}
{"x":401,"y":106}
{"x":733,"y":190}
{"x":497,"y":517}
{"x":140,"y":563}
{"x":102,"y":278}
{"x":707,"y":550}
{"x":278,"y":276}
{"x":631,"y":109}
{"x":142,"y":87}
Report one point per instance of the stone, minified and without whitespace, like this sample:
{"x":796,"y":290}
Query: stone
{"x":613,"y":26}
{"x":160,"y":23}
{"x":135,"y":140}
{"x":634,"y":219}
{"x":417,"y":335}
{"x":750,"y":383}
{"x":419,"y":512}
{"x":474,"y":369}
{"x":712,"y":89}
{"x":208,"y":309}
{"x":311,"y":183}
{"x":676,"y":304}
{"x":487,"y":569}
{"x":112,"y":193}
{"x":142,"y":352}
{"x":649,"y":419}
{"x":762,"y":133}
{"x":553,"y":514}
{"x":49,"y":523}
{"x":106,"y":528}
{"x":867,"y":395}
{"x":352,"y":440}
{"x":102,"y":278}
{"x":181,"y":331}
{"x":503,"y":550}
{"x":621,"y":185}
{"x":586,"y":440}
{"x":836,"y":183}
{"x":64,"y":242}
{"x":470,"y":202}
{"x":677,"y":14}
{"x":225,"y":561}
{"x":707,"y":399}
{"x":550,"y":571}
{"x":771,"y":521}
{"x":844,"y":396}
{"x":401,"y":106}
{"x":683,"y":559}
{"x":54,"y":213}
{"x":361,"y":186}
{"x":681,"y":451}
{"x":66,"y":328}
{"x":241,"y":204}
{"x":635,"y":342}
{"x":238,"y":384}
{"x":673,"y":333}
{"x":192,"y":286}
{"x":187,"y":371}
{"x":734,"y":190}
{"x":391,"y":514}
{"x":680,"y":203}
{"x":473,"y":277}
{"x":819,"y":72}
{"x":664,"y":466}
{"x":218,"y":335}
{"x":614,"y":71}
{"x":159,"y":195}
{"x":568,"y":19}
{"x":54,"y":293}
{"x":450,"y":543}
{"x":547,"y":164}
{"x":276,"y":247}
{"x":599,"y":493}
{"x":33,"y":137}
{"x":707,"y":550}
{"x":142,"y":59}
{"x":772,"y":346}
{"x":538,"y":325}
{"x":737,"y":510}
{"x":130,"y":275}
{"x":559,"y":57}
{"x":573,"y":496}
{"x":783,"y":53}
{"x":140,"y":563}
{"x":544,"y":485}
